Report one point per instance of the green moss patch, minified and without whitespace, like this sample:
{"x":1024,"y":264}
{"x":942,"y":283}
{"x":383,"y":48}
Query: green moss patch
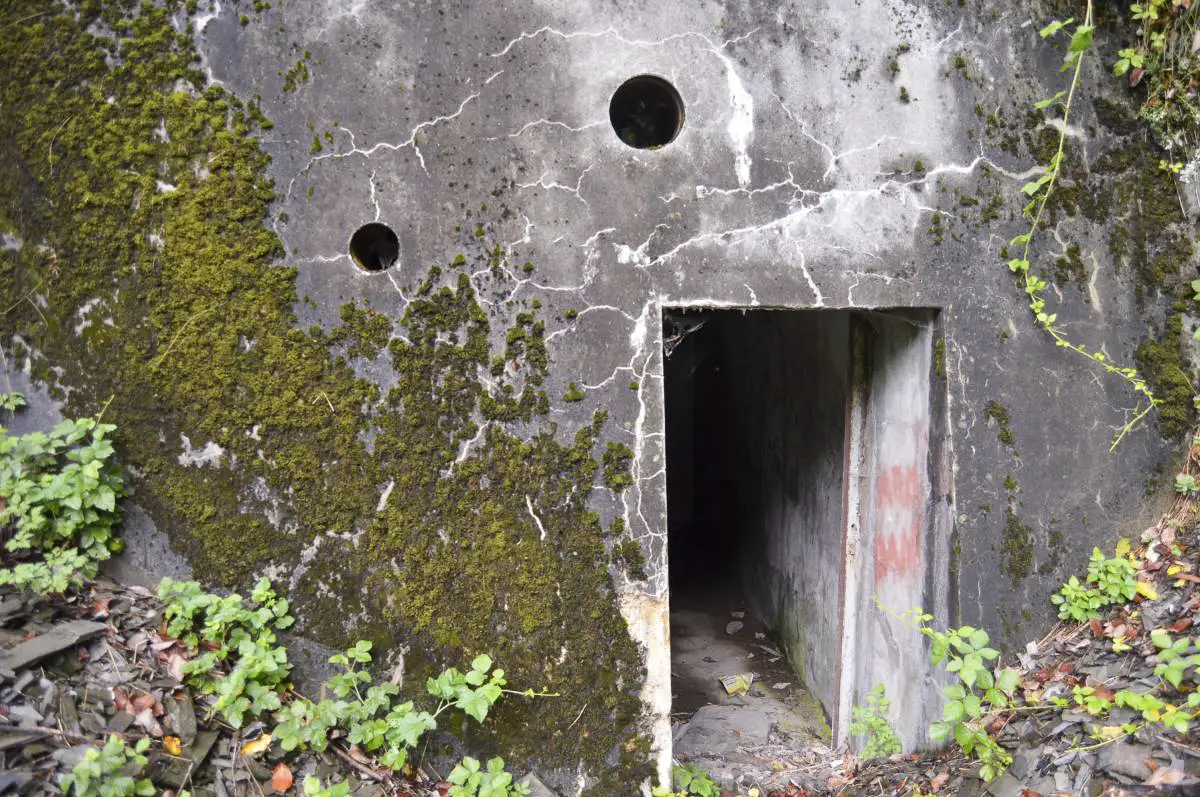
{"x":140,"y":194}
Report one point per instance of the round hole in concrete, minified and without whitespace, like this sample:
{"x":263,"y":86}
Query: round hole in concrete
{"x":646,"y":112}
{"x":374,"y":247}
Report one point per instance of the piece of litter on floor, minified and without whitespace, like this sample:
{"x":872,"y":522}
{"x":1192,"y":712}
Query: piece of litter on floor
{"x":781,"y":685}
{"x":737,"y":615}
{"x":770,"y":651}
{"x":737,"y":684}
{"x":734,"y":627}
{"x":759,"y":635}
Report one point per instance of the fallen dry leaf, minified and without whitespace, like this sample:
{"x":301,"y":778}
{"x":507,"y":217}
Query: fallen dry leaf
{"x":173,"y":745}
{"x":256,"y":746}
{"x":142,"y":702}
{"x":281,"y":777}
{"x":939,"y":780}
{"x":175,"y":666}
{"x":144,"y":719}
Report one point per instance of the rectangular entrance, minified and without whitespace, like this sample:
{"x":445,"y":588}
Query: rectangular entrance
{"x":805,"y":479}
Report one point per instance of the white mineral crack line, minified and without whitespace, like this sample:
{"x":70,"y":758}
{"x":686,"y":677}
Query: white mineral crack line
{"x":383,"y":497}
{"x":374,"y":196}
{"x":549,"y":123}
{"x":639,"y":341}
{"x":536,"y":519}
{"x":591,"y":308}
{"x":411,"y":141}
{"x":541,"y":182}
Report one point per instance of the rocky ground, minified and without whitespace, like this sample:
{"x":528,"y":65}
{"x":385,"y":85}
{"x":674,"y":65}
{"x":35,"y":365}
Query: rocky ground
{"x":74,"y":670}
{"x":1062,"y":750}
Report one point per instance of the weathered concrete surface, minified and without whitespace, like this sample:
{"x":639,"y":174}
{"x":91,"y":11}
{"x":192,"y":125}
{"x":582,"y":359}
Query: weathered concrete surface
{"x":803,"y":177}
{"x":902,"y":559}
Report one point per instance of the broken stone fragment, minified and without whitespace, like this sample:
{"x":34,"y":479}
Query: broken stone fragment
{"x":536,"y":787}
{"x":720,"y":730}
{"x":56,"y":640}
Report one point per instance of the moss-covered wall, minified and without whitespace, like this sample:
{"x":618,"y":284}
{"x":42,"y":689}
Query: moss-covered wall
{"x":146,"y":273}
{"x":418,"y":453}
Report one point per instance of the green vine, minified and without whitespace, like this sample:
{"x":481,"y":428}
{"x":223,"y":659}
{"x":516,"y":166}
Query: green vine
{"x":1039,"y":192}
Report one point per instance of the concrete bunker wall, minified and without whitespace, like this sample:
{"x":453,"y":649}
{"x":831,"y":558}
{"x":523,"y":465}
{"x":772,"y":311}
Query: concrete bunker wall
{"x":351,"y":433}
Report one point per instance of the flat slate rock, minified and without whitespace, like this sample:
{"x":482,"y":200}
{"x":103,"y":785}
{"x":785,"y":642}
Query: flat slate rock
{"x":56,"y":640}
{"x":536,"y":787}
{"x":721,"y":730}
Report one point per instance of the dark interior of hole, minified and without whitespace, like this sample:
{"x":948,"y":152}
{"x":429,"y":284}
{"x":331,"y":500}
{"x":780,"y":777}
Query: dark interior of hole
{"x":375,"y":247}
{"x":646,"y":112}
{"x":755,"y":436}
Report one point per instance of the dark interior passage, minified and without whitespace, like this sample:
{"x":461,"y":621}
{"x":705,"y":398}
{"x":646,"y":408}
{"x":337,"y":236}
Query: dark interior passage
{"x":756,"y":407}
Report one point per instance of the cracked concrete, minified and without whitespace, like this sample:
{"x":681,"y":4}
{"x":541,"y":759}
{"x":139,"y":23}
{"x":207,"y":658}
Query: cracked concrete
{"x":801,"y":178}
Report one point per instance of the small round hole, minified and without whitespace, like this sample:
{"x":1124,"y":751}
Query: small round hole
{"x":646,"y":112}
{"x":374,"y":247}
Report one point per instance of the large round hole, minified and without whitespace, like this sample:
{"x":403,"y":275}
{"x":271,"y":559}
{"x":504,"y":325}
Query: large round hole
{"x":374,"y":247}
{"x":646,"y":112}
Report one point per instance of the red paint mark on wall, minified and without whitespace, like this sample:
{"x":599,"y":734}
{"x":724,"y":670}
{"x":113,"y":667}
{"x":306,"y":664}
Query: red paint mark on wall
{"x":899,"y":518}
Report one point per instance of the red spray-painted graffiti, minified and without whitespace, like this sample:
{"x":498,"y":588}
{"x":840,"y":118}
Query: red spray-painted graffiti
{"x":899,"y":518}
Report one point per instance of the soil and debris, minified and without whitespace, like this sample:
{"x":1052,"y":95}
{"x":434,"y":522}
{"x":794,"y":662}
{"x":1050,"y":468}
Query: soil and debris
{"x":75,"y":669}
{"x":1063,"y":750}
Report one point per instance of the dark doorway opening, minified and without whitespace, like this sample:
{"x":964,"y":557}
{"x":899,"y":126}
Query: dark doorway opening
{"x":756,"y":405}
{"x":808,"y":483}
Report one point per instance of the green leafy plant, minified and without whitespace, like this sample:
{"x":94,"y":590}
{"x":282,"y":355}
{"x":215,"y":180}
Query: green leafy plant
{"x":470,"y":779}
{"x":1157,"y":711}
{"x":12,"y":401}
{"x":976,"y":695}
{"x":1039,"y":192}
{"x":1163,"y":62}
{"x":313,"y":788}
{"x":1110,"y":582}
{"x":871,"y":722}
{"x":59,"y":494}
{"x":1114,"y":577}
{"x":110,"y":771}
{"x":1076,"y":601}
{"x":1091,"y":701}
{"x":691,"y":781}
{"x":1176,"y":657}
{"x":241,"y":665}
{"x":1185,"y":484}
{"x":370,"y":717}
